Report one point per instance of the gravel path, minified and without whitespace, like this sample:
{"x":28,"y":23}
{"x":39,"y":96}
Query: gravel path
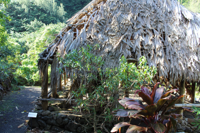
{"x":14,"y":109}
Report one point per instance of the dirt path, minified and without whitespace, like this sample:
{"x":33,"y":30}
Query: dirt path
{"x":14,"y":109}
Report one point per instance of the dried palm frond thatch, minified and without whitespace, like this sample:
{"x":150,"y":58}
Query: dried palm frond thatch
{"x":163,"y":31}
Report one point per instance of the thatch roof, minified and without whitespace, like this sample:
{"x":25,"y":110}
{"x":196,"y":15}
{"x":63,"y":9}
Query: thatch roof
{"x":164,"y":31}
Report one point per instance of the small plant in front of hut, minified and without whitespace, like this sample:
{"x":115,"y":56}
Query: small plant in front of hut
{"x":196,"y":122}
{"x":155,"y":114}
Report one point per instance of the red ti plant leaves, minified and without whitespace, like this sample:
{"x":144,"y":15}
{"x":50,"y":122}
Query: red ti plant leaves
{"x":121,"y":113}
{"x":173,"y":123}
{"x":168,"y":93}
{"x":133,"y":113}
{"x":119,"y":125}
{"x":136,"y":128}
{"x":176,"y":115}
{"x":146,"y":98}
{"x":158,"y":127}
{"x":172,"y":103}
{"x":149,"y":110}
{"x":133,"y":105}
{"x":145,"y":90}
{"x":169,"y":126}
{"x":154,"y":89}
{"x":158,"y":94}
{"x":125,"y":113}
{"x":150,"y":114}
{"x":124,"y":100}
{"x":161,"y":103}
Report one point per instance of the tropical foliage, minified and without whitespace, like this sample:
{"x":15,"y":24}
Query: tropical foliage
{"x":155,"y":113}
{"x":99,"y":84}
{"x":26,"y":14}
{"x":197,"y":118}
{"x":26,"y":27}
{"x":35,"y":42}
{"x":5,"y":51}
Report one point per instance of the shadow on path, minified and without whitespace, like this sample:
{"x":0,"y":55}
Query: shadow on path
{"x":14,"y":109}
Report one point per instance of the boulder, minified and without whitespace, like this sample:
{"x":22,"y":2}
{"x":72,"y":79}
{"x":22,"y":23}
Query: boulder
{"x":71,"y":126}
{"x":38,"y":107}
{"x":52,"y":122}
{"x":56,"y":129}
{"x":33,"y":123}
{"x":65,"y":121}
{"x":48,"y":127}
{"x":46,"y":118}
{"x":42,"y":123}
{"x":47,"y":112}
{"x":59,"y":120}
{"x":50,"y":108}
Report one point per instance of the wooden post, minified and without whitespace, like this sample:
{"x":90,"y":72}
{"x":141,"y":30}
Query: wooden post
{"x":182,"y":92}
{"x":65,"y":78}
{"x":193,"y":93}
{"x":60,"y":82}
{"x":54,"y":78}
{"x":45,"y":85}
{"x":126,"y":93}
{"x":126,"y":89}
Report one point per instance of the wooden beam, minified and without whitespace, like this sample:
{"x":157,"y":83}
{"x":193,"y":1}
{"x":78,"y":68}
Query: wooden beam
{"x":71,"y":101}
{"x":193,"y":92}
{"x":132,"y":60}
{"x":44,"y":92}
{"x":53,"y":99}
{"x":54,"y":78}
{"x":187,"y":105}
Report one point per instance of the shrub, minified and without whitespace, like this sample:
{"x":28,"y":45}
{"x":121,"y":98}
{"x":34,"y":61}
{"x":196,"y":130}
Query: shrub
{"x":101,"y":87}
{"x":155,"y":114}
{"x":197,"y":118}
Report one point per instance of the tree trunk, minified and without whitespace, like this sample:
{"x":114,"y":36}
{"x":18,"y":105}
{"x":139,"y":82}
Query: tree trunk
{"x":45,"y":86}
{"x":54,"y":78}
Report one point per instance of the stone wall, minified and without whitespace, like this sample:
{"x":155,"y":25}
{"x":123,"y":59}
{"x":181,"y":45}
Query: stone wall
{"x":57,"y":121}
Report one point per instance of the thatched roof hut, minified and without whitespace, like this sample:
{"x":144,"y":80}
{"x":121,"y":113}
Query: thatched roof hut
{"x":163,"y":31}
